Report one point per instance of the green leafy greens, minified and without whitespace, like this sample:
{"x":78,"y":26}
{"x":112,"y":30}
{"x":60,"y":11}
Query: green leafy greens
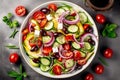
{"x":109,"y":31}
{"x":18,"y":75}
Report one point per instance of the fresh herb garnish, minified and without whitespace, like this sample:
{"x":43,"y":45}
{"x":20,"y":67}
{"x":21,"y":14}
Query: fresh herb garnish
{"x":10,"y":46}
{"x":18,"y":75}
{"x":109,"y":31}
{"x":9,"y":22}
{"x":103,"y":61}
{"x":13,"y":34}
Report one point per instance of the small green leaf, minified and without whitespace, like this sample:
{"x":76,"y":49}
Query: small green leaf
{"x":103,"y":61}
{"x":19,"y":77}
{"x":111,"y":27}
{"x":104,"y":33}
{"x":112,"y":34}
{"x":13,"y":74}
{"x":24,"y":74}
{"x":21,"y":68}
{"x":9,"y":15}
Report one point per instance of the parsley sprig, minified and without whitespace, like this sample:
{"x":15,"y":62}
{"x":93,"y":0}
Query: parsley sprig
{"x":18,"y":75}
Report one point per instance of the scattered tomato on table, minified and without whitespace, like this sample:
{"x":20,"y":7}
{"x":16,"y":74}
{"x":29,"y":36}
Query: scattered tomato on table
{"x":100,"y":18}
{"x":89,"y":76}
{"x":20,"y":10}
{"x":108,"y":53}
{"x":99,"y":69}
{"x":14,"y":58}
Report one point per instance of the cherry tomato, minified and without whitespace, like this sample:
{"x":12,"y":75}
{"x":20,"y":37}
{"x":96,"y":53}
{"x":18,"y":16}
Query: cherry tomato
{"x":66,"y":46}
{"x":25,"y":31}
{"x":85,"y":26}
{"x":47,"y":50}
{"x":73,"y":14}
{"x":43,"y":23}
{"x":60,"y":59}
{"x":38,"y":15}
{"x":20,"y":10}
{"x":77,"y":55}
{"x":57,"y":70}
{"x":99,"y":69}
{"x":69,"y":38}
{"x":108,"y":53}
{"x":52,"y":6}
{"x":68,"y":54}
{"x":100,"y":18}
{"x":24,"y":37}
{"x":89,"y":76}
{"x":14,"y":57}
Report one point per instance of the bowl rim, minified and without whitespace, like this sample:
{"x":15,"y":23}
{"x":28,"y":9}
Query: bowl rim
{"x":47,"y":74}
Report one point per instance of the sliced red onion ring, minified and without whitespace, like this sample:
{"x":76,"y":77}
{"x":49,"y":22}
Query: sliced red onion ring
{"x":62,"y":16}
{"x":88,"y":34}
{"x":29,"y":26}
{"x":49,"y":43}
{"x":73,"y":21}
{"x":80,"y":43}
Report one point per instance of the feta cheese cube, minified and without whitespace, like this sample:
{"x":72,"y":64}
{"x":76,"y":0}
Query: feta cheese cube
{"x":49,"y":17}
{"x":55,"y":49}
{"x":37,"y":33}
{"x":60,"y":25}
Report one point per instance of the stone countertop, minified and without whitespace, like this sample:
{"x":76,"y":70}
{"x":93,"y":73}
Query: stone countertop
{"x":111,"y":72}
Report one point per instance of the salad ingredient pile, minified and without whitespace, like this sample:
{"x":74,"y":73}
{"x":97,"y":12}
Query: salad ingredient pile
{"x":59,"y":39}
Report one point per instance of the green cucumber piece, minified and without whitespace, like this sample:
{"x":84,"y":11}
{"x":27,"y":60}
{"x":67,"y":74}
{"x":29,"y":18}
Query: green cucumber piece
{"x":73,"y":28}
{"x":49,"y":25}
{"x":45,"y":39}
{"x":87,"y":45}
{"x":44,"y":68}
{"x":56,"y":44}
{"x":60,"y":39}
{"x":69,"y":63}
{"x":75,"y":45}
{"x":45,"y":61}
{"x":83,"y":17}
{"x":60,"y":11}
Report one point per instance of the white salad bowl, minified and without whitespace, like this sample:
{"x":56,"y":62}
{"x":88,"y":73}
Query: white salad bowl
{"x":26,"y":58}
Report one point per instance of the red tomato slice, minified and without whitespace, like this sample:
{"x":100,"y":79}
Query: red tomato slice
{"x":69,"y":38}
{"x":77,"y":55}
{"x":39,"y":15}
{"x":20,"y":10}
{"x":43,"y":23}
{"x":57,"y":70}
{"x":66,"y":46}
{"x":52,"y":6}
{"x":47,"y":50}
{"x":68,"y":54}
{"x":85,"y":26}
{"x":24,"y":37}
{"x":25,"y":31}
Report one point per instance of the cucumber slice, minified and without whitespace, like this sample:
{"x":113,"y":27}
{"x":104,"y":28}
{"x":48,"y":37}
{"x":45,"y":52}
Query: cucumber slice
{"x":56,"y":44}
{"x":65,"y":8}
{"x":33,"y":63}
{"x":49,"y":25}
{"x":45,"y":61}
{"x":87,"y":45}
{"x":60,"y":11}
{"x":73,"y":28}
{"x":75,"y":45}
{"x":69,"y":63}
{"x":46,"y":39}
{"x":82,"y":54}
{"x":60,"y":39}
{"x":44,"y":68}
{"x":83,"y":17}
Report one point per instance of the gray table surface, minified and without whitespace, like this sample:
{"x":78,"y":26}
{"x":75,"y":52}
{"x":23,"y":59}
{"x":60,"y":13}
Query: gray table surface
{"x":111,"y":72}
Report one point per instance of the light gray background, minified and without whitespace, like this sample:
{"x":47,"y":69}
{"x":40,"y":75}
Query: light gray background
{"x":111,"y":72}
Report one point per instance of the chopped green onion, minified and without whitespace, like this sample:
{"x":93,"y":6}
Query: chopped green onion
{"x":103,"y":61}
{"x":13,"y":34}
{"x":10,"y":46}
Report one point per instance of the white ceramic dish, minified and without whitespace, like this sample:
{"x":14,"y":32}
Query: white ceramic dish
{"x":77,"y":8}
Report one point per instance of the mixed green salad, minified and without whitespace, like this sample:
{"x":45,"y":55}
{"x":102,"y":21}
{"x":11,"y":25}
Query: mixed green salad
{"x":59,"y":39}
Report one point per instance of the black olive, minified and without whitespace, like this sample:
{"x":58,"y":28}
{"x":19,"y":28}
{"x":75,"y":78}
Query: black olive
{"x":43,"y":32}
{"x":89,"y":30}
{"x":45,"y":10}
{"x":56,"y":55}
{"x":65,"y":30}
{"x":35,"y":60}
{"x":91,"y":41}
{"x":34,"y":48}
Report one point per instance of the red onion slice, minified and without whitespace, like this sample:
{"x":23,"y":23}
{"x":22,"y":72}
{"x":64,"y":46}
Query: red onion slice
{"x":49,"y":43}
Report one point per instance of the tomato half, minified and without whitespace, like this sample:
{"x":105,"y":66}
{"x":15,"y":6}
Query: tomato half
{"x":77,"y":55}
{"x":38,"y":15}
{"x":43,"y":23}
{"x":52,"y":6}
{"x":57,"y":70}
{"x":85,"y":26}
{"x":66,"y":46}
{"x":69,"y":38}
{"x":47,"y":50}
{"x":68,"y":54}
{"x":14,"y":57}
{"x":25,"y":31}
{"x":20,"y":10}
